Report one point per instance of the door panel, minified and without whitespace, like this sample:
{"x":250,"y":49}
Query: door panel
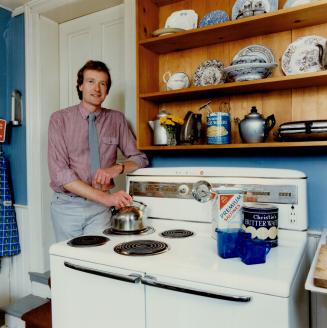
{"x":86,"y":299}
{"x":99,"y":36}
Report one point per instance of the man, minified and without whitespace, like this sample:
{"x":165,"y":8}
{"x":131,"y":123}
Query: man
{"x":82,"y":153}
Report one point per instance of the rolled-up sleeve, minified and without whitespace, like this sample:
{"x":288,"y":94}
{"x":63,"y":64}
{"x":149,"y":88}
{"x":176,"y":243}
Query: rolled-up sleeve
{"x":58,"y":158}
{"x":127,"y":145}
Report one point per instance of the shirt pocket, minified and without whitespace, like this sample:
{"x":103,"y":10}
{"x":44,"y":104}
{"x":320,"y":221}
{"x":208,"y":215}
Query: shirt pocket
{"x":110,"y":141}
{"x":108,"y":147}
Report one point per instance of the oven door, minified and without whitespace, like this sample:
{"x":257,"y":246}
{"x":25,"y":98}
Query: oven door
{"x":186,"y":304}
{"x":88,"y":295}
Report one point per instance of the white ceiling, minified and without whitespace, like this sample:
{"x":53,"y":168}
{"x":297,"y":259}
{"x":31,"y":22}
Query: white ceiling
{"x":12,"y":4}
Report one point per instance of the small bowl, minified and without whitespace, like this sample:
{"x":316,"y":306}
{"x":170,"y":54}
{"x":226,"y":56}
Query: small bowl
{"x":249,"y":72}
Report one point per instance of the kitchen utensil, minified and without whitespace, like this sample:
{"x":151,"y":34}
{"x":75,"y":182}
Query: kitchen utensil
{"x":178,"y":80}
{"x":165,"y":31}
{"x":209,"y":72}
{"x":160,"y":136}
{"x":302,"y":130}
{"x":186,"y":19}
{"x":303,"y":55}
{"x":190,"y":130}
{"x":245,"y":8}
{"x":254,"y":127}
{"x":248,"y":71}
{"x":130,"y":218}
{"x":214,"y":17}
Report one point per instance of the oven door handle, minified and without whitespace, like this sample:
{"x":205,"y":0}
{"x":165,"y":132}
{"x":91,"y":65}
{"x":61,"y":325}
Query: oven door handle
{"x":132,"y":278}
{"x":152,"y":281}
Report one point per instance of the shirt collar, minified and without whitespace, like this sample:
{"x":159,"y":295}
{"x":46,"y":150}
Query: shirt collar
{"x":85,"y":113}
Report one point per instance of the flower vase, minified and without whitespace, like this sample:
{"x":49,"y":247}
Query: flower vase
{"x":171,"y":135}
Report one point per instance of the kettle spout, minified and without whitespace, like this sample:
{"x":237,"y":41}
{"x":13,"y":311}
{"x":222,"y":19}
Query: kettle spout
{"x":151,"y":123}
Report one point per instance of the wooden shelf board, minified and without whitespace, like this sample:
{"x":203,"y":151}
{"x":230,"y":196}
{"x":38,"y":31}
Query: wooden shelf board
{"x":234,"y":88}
{"x":295,"y":144}
{"x":281,"y":20}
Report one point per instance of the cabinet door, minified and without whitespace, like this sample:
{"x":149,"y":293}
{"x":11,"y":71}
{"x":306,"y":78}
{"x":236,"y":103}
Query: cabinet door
{"x":185,"y":304}
{"x":88,"y":295}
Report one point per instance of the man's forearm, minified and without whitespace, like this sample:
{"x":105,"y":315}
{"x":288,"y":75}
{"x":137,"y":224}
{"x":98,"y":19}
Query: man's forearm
{"x":84,"y":190}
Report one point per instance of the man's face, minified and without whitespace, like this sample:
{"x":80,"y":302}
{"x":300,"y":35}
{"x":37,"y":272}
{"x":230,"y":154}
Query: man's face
{"x":94,"y":87}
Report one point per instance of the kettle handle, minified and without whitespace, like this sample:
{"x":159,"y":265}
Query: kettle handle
{"x":270,"y":122}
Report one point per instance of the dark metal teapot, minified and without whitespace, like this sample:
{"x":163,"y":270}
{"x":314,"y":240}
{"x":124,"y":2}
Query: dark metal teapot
{"x":254,"y":127}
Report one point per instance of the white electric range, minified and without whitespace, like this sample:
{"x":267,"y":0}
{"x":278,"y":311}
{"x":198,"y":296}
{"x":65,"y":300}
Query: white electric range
{"x":186,"y":284}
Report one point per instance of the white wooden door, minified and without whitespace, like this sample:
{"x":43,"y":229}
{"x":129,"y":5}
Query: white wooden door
{"x":99,"y":36}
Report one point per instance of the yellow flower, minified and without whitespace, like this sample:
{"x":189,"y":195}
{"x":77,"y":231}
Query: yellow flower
{"x":171,"y":120}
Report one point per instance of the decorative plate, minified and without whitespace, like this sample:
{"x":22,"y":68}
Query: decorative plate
{"x":214,"y":17}
{"x":244,"y":8}
{"x":261,"y":53}
{"x":209,"y":72}
{"x":185,"y":19}
{"x":164,"y":31}
{"x":293,"y":3}
{"x":303,"y":55}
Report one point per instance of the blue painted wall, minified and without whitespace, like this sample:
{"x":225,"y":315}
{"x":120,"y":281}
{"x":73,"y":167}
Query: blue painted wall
{"x":13,"y":61}
{"x":312,"y":162}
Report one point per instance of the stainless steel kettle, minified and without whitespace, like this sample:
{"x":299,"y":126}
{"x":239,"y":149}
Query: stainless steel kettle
{"x":254,"y":127}
{"x":130,"y":218}
{"x":160,"y":136}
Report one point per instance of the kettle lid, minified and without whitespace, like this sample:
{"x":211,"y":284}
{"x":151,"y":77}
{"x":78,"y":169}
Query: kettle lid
{"x":254,"y":113}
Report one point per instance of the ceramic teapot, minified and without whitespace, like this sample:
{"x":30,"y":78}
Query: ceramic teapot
{"x":159,"y":132}
{"x":178,"y":80}
{"x":254,"y":127}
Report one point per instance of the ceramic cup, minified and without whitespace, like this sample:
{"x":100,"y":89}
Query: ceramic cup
{"x":178,"y":80}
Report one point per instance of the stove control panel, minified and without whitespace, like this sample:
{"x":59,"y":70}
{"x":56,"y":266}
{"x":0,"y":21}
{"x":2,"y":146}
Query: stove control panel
{"x":277,"y":194}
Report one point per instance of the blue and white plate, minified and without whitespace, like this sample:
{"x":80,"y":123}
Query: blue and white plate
{"x":258,"y":52}
{"x":245,"y":8}
{"x":214,"y":17}
{"x":209,"y":72}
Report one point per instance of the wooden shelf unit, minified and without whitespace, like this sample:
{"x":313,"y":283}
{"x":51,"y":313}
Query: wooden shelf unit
{"x":290,"y":98}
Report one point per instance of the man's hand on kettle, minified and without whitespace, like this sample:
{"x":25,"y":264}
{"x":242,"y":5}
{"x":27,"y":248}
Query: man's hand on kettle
{"x":120,"y":199}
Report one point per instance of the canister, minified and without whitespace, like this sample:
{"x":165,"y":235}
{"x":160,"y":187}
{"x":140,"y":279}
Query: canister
{"x":218,"y":128}
{"x":226,"y":209}
{"x":261,"y":220}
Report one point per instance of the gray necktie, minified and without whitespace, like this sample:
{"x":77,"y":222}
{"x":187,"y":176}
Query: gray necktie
{"x":93,"y":144}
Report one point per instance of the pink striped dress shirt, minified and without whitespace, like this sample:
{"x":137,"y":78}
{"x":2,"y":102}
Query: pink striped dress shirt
{"x":68,"y":148}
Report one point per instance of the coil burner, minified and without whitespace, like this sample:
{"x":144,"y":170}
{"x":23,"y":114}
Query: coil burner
{"x":146,"y":231}
{"x":177,"y":233}
{"x":88,"y":241}
{"x":141,"y":247}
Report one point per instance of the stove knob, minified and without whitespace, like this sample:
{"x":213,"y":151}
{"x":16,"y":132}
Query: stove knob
{"x":183,"y":190}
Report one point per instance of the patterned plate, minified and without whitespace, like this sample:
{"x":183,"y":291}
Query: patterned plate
{"x":209,"y":72}
{"x":214,"y":17}
{"x":255,"y":50}
{"x":244,"y":8}
{"x":302,"y":55}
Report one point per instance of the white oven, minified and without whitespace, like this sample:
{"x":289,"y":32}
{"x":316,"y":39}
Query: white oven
{"x":185,"y":283}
